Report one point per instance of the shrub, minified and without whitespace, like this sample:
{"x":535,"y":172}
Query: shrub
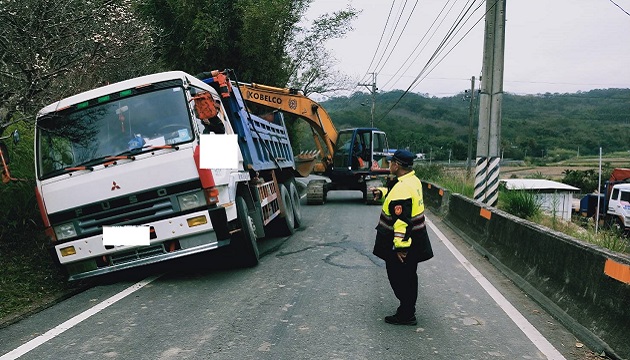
{"x":428,"y":172}
{"x":18,"y":205}
{"x":519,"y":203}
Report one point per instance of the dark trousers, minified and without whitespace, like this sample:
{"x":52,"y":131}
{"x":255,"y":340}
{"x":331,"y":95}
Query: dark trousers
{"x":404,"y":281}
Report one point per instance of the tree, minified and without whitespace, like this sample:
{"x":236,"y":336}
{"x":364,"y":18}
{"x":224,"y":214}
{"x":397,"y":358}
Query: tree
{"x":262,"y":40}
{"x":50,"y":49}
{"x":310,"y":69}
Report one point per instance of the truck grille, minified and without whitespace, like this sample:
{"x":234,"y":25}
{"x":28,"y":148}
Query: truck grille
{"x":133,"y":209}
{"x":141,"y":253}
{"x":137,"y":214}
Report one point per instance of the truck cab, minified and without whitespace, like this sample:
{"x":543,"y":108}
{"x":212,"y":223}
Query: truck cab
{"x":619,"y":206}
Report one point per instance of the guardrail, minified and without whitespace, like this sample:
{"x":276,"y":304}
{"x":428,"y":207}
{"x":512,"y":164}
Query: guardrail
{"x":584,"y":286}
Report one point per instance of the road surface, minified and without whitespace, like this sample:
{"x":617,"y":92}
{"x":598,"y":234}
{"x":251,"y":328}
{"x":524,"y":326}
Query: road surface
{"x":318,"y":294}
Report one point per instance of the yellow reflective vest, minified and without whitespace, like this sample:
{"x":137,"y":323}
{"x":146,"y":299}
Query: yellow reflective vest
{"x":401,"y":225}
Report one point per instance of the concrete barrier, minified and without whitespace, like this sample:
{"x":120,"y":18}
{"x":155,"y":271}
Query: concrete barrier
{"x":584,"y":286}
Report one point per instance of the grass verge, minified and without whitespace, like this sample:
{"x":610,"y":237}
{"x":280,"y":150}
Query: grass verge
{"x":31,"y":281}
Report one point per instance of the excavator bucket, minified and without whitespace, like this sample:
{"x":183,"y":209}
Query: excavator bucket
{"x":305,"y":162}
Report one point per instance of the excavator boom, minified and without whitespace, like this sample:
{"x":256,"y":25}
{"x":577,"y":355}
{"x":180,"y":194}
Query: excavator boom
{"x":293,"y":102}
{"x":352,"y":159}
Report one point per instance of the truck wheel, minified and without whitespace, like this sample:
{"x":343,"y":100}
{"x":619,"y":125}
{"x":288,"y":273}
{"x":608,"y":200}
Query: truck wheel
{"x":244,"y":242}
{"x":286,"y":221}
{"x":295,"y":201}
{"x":618,"y":226}
{"x":316,"y":192}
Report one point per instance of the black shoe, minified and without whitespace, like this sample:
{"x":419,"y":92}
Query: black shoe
{"x":398,"y":320}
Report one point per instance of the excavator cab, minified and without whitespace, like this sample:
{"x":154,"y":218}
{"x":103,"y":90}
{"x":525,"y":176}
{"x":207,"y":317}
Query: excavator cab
{"x":359,"y":161}
{"x":361,"y":150}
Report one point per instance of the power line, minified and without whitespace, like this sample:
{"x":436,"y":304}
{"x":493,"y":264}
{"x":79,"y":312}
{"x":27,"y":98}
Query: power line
{"x":399,"y":36}
{"x":447,"y":39}
{"x":420,"y":42}
{"x":457,"y":43}
{"x":400,"y":14}
{"x":619,"y":7}
{"x":375,"y":52}
{"x":436,"y":52}
{"x":380,"y":40}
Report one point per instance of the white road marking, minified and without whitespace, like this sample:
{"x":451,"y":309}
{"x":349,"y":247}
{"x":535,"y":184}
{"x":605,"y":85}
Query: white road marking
{"x":42,"y":339}
{"x":528,"y":329}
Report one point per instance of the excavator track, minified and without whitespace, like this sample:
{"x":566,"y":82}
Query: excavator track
{"x":316,"y":192}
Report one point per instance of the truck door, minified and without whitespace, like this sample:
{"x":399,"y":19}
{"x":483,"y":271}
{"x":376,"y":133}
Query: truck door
{"x":613,"y":204}
{"x":379,"y":151}
{"x":623,"y":205}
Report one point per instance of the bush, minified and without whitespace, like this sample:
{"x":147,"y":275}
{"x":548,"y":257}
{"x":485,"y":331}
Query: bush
{"x":429,"y":172}
{"x":519,"y":203}
{"x":586,"y":180}
{"x":18,"y":205}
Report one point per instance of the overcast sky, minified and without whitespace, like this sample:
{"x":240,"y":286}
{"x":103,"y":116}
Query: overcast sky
{"x":551,"y":45}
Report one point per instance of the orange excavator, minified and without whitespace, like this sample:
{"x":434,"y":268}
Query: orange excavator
{"x":353,"y":159}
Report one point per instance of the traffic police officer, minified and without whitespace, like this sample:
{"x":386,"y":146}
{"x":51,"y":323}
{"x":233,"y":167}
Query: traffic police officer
{"x":401,"y":235}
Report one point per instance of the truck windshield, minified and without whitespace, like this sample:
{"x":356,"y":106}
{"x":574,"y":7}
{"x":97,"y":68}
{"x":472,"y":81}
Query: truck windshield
{"x":89,"y":135}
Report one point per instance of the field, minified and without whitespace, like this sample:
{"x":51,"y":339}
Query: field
{"x":554,"y":171}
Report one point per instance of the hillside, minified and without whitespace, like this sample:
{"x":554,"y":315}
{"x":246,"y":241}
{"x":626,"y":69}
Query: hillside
{"x":544,"y":125}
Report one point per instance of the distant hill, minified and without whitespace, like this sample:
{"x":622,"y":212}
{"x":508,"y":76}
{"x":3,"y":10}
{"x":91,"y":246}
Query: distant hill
{"x":533,"y":125}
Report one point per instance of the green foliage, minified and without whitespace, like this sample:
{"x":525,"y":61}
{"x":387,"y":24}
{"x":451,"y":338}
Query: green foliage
{"x":536,"y":175}
{"x":586,"y":180}
{"x":544,"y":128}
{"x":519,"y":203}
{"x":51,"y":49}
{"x":608,"y":238}
{"x":18,"y":205}
{"x":429,"y":172}
{"x":262,"y":40}
{"x":452,"y":180}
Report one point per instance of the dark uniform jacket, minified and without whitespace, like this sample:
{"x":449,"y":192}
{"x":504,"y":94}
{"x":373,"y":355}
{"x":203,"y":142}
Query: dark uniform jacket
{"x":401,"y":226}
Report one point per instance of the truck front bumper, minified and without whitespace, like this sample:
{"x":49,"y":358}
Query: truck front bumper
{"x":170,"y":238}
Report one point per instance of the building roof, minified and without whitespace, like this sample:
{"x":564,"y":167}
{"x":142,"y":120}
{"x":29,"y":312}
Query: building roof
{"x":536,"y":184}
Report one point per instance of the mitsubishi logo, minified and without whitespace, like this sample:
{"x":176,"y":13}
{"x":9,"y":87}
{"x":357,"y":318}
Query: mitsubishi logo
{"x":115,"y":186}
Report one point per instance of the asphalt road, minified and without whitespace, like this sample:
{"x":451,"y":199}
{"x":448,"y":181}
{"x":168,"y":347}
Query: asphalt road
{"x":319,"y":294}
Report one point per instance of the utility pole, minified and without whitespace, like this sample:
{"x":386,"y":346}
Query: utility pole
{"x":372,"y":89}
{"x":490,"y":99}
{"x":471,"y":112}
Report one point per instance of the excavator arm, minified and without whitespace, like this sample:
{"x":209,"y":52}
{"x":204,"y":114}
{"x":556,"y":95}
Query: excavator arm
{"x":293,"y":102}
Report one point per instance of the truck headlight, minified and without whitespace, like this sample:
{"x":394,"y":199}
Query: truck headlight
{"x":191,"y":201}
{"x":65,"y":231}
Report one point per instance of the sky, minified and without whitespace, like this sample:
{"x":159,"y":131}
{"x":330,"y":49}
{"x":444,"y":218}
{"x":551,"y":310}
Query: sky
{"x":555,"y":46}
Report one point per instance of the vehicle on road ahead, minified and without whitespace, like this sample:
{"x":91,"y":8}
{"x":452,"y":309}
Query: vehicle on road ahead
{"x":613,"y":201}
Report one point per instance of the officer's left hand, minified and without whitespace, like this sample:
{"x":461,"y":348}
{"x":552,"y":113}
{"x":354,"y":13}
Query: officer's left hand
{"x":401,"y":255}
{"x":376,"y":193}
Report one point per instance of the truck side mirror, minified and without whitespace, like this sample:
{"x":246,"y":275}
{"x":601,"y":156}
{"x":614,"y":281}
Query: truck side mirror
{"x":4,"y":152}
{"x":16,"y":136}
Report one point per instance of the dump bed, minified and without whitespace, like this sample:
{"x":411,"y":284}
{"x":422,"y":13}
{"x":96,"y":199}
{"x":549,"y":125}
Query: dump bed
{"x":264,"y":143}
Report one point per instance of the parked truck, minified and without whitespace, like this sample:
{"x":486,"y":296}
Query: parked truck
{"x":613,"y":201}
{"x":128,"y":154}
